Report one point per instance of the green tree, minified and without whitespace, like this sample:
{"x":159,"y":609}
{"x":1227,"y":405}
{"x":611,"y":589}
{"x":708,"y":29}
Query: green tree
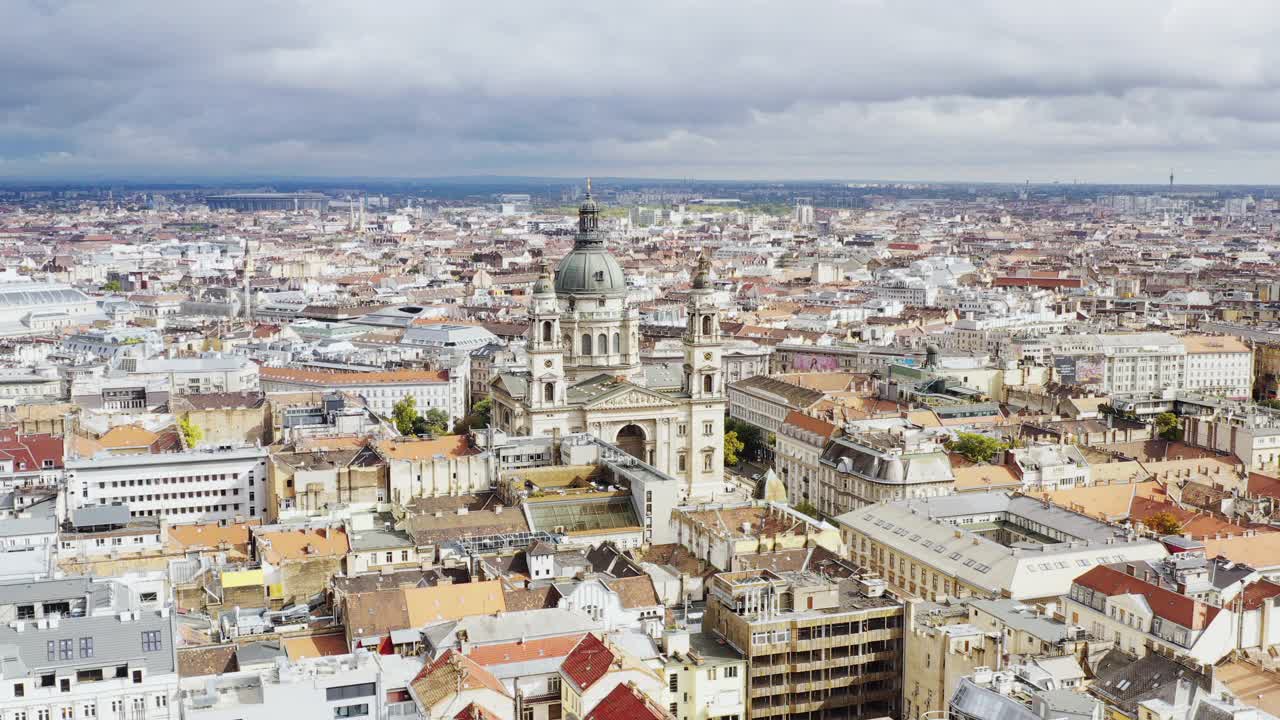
{"x":732,"y":448}
{"x":1167,"y":427}
{"x":477,"y":418}
{"x":753,"y":439}
{"x":404,"y":413}
{"x":1163,"y":523}
{"x":434,"y":422}
{"x":191,"y":433}
{"x":112,"y":286}
{"x":976,"y":448}
{"x":1272,"y":404}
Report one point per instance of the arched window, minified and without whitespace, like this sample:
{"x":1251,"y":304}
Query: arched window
{"x":546,"y":331}
{"x":602,"y":344}
{"x":708,"y":384}
{"x":617,"y":344}
{"x":682,"y":462}
{"x":586,"y":343}
{"x":549,"y":392}
{"x":706,"y":324}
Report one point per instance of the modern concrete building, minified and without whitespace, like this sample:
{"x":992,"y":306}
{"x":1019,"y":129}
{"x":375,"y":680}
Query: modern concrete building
{"x":816,"y":648}
{"x":188,"y":486}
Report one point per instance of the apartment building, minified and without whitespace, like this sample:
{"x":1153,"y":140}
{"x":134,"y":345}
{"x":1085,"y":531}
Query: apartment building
{"x":705,"y":679}
{"x":883,"y":465}
{"x":766,"y":401}
{"x":816,"y":648}
{"x":81,"y":651}
{"x":188,"y":486}
{"x":339,"y":686}
{"x":430,"y":389}
{"x":984,"y":544}
{"x":1142,"y":617}
{"x":798,"y":447}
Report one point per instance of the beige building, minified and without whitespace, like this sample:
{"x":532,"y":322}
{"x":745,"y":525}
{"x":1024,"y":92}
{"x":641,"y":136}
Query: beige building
{"x":939,"y":648}
{"x":240,"y":418}
{"x":722,"y":533}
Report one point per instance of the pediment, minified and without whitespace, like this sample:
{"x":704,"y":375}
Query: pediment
{"x":630,"y":396}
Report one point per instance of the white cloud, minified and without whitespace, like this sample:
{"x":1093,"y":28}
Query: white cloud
{"x":1100,"y":91}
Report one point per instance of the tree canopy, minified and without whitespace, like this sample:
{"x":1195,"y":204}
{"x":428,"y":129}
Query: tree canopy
{"x":1168,"y":426}
{"x":976,"y":448}
{"x":1163,"y":523}
{"x":732,"y":448}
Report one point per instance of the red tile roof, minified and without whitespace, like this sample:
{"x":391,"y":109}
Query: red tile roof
{"x":521,"y":651}
{"x":1164,"y":603}
{"x":810,"y":424}
{"x":588,"y":662}
{"x":29,"y":452}
{"x":1258,"y":593}
{"x":626,"y":702}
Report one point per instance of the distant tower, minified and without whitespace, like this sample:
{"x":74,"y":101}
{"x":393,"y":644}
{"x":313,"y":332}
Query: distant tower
{"x":248,"y":276}
{"x":1170,"y":178}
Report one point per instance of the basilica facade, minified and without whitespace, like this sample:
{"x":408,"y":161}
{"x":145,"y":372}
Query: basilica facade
{"x":585,"y":373}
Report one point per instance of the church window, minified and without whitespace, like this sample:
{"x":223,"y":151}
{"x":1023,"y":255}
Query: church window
{"x":599,"y":276}
{"x":706,"y":324}
{"x":707,"y":428}
{"x":586,"y":343}
{"x":708,"y":383}
{"x":546,"y":331}
{"x":549,"y":392}
{"x":682,"y":462}
{"x":617,"y":344}
{"x":602,"y":344}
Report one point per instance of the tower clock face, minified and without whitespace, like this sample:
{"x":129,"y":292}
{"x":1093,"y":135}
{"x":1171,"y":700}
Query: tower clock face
{"x":547,"y":363}
{"x":706,"y":356}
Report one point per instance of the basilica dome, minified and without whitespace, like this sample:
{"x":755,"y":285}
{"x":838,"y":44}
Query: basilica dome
{"x":589,"y":269}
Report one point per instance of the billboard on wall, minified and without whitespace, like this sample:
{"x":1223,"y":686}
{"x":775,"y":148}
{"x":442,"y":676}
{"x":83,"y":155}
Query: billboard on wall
{"x":1090,"y":369}
{"x":804,"y":362}
{"x":1080,"y":369}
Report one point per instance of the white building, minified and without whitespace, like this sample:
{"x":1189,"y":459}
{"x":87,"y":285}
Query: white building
{"x":191,"y":486}
{"x":31,"y":308}
{"x":340,"y":686}
{"x":100,"y":656}
{"x":208,"y":374}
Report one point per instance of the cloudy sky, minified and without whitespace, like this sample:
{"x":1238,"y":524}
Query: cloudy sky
{"x":1108,"y":91}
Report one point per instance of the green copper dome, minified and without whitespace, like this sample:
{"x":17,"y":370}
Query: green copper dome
{"x":589,"y":268}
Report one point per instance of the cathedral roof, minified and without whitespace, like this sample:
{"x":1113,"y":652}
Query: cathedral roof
{"x":589,"y":268}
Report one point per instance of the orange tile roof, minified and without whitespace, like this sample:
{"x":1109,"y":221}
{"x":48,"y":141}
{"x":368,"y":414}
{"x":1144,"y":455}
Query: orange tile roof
{"x":315,"y":646}
{"x":451,"y":446}
{"x":450,"y":602}
{"x":450,"y":673}
{"x":210,"y":535}
{"x":319,"y":378}
{"x":818,"y":427}
{"x":981,"y":477}
{"x":1260,"y":551}
{"x":512,"y":652}
{"x":276,"y":547}
{"x":127,"y":436}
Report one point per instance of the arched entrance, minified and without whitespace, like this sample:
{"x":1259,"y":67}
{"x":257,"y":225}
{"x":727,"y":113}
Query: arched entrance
{"x":631,"y":439}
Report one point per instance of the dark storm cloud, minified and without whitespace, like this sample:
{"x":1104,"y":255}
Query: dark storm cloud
{"x":984,"y":90}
